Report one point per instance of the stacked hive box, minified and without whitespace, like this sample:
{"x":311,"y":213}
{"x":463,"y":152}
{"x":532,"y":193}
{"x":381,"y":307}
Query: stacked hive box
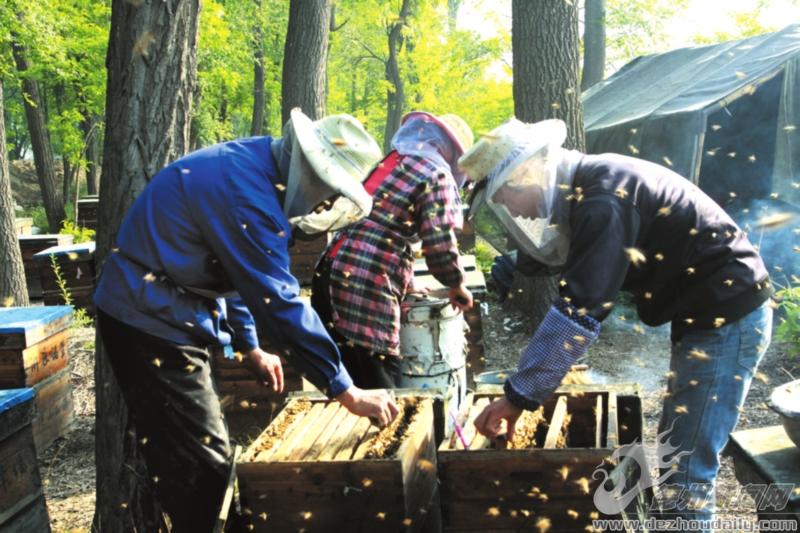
{"x":249,"y":406}
{"x":546,"y":478}
{"x":76,"y":262}
{"x":317,"y":467}
{"x":476,"y":283}
{"x":31,"y":245}
{"x":33,"y":353}
{"x":22,"y":504}
{"x":303,"y":256}
{"x":87,"y":211}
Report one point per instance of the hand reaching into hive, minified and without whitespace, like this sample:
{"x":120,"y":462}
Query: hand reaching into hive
{"x":266,"y":367}
{"x":491,"y":420}
{"x":377,"y":404}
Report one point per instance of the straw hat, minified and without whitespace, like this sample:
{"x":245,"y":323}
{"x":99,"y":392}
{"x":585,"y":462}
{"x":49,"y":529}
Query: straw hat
{"x":493,"y":147}
{"x":340,"y":151}
{"x":455,"y":127}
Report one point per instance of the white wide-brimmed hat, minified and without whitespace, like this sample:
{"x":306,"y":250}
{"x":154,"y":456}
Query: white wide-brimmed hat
{"x":341,"y":154}
{"x":494,"y":147}
{"x":454,"y":126}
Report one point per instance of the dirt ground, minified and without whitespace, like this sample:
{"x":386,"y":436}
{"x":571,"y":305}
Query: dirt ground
{"x":625,"y":352}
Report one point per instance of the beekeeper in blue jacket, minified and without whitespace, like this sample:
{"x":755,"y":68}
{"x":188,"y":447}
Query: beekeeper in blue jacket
{"x":202,"y":260}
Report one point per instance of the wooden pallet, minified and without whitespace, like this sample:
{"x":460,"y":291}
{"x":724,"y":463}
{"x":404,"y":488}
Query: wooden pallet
{"x":22,"y":504}
{"x":23,"y":226}
{"x":249,"y":407}
{"x":30,"y":245}
{"x":476,"y":283}
{"x":77,"y":268}
{"x":547,"y":480}
{"x":318,"y":474}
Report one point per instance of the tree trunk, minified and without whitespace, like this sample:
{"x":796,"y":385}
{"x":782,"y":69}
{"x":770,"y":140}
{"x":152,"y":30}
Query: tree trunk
{"x":594,"y":43}
{"x":395,"y":97}
{"x":305,"y":58}
{"x":89,"y":127}
{"x":545,"y":49}
{"x":40,"y":141}
{"x":257,"y":124}
{"x":13,"y":290}
{"x":152,"y":70}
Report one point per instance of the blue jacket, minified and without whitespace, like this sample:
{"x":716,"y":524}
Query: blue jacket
{"x":213,"y":221}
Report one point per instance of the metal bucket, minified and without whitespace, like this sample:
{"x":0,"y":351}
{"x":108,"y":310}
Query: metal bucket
{"x":433,"y":345}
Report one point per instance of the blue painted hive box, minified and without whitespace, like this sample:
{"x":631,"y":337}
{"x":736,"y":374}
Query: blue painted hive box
{"x":33,"y":353}
{"x":22,"y":503}
{"x":74,"y":266}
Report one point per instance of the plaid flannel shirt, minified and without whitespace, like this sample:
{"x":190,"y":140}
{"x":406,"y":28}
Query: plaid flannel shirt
{"x":374,"y":263}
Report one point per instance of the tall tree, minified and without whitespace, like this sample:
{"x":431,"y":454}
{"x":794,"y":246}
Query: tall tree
{"x":152,"y":69}
{"x":396,"y":96}
{"x":13,"y":290}
{"x":305,"y":58}
{"x":544,"y":37}
{"x":257,"y":122}
{"x":40,"y":140}
{"x":594,"y":43}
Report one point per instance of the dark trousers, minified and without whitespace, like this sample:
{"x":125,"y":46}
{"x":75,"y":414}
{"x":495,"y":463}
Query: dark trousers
{"x":369,"y":370}
{"x":179,"y":425}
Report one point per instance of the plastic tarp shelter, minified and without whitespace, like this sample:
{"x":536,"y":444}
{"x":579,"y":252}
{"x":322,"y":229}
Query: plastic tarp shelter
{"x":725,"y":116}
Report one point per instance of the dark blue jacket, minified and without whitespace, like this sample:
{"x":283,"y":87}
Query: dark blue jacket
{"x":213,"y":221}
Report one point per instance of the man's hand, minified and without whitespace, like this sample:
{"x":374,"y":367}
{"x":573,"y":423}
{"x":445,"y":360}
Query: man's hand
{"x":266,"y":367}
{"x":490,"y":421}
{"x":460,"y":298}
{"x":377,"y":404}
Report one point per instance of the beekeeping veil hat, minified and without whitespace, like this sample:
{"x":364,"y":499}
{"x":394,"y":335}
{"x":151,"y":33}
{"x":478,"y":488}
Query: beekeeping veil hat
{"x":525,"y":159}
{"x":328,"y":158}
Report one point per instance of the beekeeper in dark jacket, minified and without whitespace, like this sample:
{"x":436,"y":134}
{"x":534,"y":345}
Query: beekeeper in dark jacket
{"x":202,"y":260}
{"x":610,"y":223}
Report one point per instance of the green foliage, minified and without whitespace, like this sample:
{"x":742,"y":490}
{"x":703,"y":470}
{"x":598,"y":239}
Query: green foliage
{"x":37,"y":213}
{"x":80,"y":318}
{"x":78,"y":233}
{"x":788,"y":329}
{"x":484,"y":255}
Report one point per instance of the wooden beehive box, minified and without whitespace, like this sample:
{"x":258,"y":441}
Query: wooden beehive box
{"x":319,"y":468}
{"x":22,"y":503}
{"x":304,"y":255}
{"x":545,"y":478}
{"x":476,"y":283}
{"x":30,"y":245}
{"x":248,"y":405}
{"x":76,"y":262}
{"x":87,"y":211}
{"x":33,"y":353}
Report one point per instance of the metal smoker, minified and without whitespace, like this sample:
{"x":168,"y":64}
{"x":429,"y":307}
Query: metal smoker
{"x":433,"y":346}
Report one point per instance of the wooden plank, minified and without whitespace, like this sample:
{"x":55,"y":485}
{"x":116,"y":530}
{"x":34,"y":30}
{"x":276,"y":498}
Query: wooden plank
{"x":19,"y":469}
{"x":612,"y":430}
{"x":598,"y":422}
{"x":54,"y":409}
{"x":32,"y":517}
{"x":294,"y":434}
{"x":324,"y":439}
{"x":24,"y":368}
{"x":343,"y":434}
{"x":556,"y":423}
{"x":313,"y":432}
{"x":349,"y":446}
{"x":468,"y":429}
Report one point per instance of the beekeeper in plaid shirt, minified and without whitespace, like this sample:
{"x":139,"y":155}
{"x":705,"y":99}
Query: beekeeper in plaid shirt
{"x":368,"y":267}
